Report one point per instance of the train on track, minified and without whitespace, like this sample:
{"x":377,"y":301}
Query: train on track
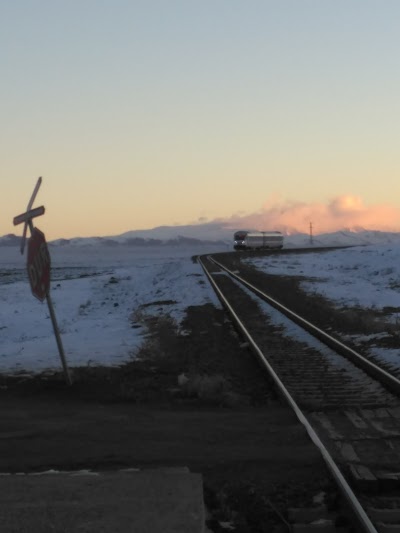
{"x":257,"y":240}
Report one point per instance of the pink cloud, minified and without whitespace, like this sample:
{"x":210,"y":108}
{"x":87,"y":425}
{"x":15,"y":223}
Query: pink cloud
{"x":342,"y":212}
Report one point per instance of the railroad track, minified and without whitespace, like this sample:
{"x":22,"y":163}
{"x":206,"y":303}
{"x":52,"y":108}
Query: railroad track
{"x":349,"y":406}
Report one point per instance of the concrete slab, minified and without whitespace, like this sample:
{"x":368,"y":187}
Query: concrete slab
{"x":156,"y":501}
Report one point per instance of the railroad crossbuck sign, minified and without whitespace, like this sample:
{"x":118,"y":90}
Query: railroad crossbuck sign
{"x":38,"y":264}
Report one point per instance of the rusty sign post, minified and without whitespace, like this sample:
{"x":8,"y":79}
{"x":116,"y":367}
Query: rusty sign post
{"x":38,"y":265}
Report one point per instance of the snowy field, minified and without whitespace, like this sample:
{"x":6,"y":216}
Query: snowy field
{"x":365,"y":276}
{"x":96,"y":291}
{"x":360,"y":276}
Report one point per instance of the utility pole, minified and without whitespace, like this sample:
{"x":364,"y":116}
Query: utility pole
{"x":311,"y":235}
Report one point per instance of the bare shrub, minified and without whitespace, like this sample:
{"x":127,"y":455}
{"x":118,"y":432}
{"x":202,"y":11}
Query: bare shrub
{"x":207,"y":388}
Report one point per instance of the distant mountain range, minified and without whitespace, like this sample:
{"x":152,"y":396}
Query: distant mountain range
{"x":215,"y":234}
{"x":10,"y":240}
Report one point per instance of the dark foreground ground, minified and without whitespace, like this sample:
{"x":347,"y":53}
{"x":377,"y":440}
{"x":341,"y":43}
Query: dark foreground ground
{"x":196,"y":399}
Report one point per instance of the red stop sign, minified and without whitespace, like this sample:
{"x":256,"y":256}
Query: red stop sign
{"x":38,"y":264}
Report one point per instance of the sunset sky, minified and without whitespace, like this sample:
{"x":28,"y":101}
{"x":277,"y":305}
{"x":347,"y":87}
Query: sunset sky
{"x":140,"y":113}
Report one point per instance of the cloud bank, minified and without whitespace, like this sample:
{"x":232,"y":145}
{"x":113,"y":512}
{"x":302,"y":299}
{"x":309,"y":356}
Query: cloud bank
{"x":342,"y":212}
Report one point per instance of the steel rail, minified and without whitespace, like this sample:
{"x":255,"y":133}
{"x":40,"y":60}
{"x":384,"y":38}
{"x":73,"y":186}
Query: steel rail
{"x":359,"y":512}
{"x":391,"y":382}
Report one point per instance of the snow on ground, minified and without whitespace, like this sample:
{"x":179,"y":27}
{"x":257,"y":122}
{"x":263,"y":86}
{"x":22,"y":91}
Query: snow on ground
{"x":96,"y":292}
{"x":97,"y":289}
{"x":360,"y":276}
{"x":366,"y":276}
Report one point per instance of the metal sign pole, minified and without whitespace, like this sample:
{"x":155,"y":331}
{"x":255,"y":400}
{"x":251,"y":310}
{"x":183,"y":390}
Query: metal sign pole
{"x":58,"y":339}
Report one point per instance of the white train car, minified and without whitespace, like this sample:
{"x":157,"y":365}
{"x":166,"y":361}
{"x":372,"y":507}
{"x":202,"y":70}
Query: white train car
{"x":257,"y":240}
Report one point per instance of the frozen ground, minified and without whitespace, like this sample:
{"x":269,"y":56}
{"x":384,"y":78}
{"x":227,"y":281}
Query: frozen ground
{"x":366,"y":276}
{"x":97,"y":291}
{"x":361,"y":276}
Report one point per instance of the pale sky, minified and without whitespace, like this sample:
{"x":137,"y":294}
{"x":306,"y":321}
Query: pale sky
{"x":161,"y":112}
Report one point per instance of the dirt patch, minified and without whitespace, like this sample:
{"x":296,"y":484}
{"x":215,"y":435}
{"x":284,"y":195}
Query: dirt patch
{"x":194,"y":397}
